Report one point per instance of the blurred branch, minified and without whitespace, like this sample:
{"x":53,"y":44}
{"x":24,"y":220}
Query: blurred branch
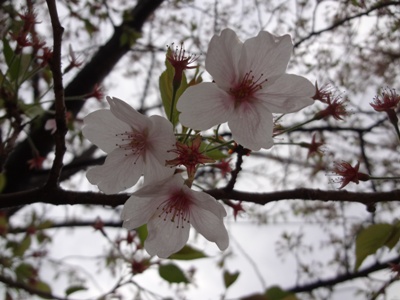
{"x":22,"y":286}
{"x":343,"y":278}
{"x":68,"y":224}
{"x":63,"y":197}
{"x":379,"y":5}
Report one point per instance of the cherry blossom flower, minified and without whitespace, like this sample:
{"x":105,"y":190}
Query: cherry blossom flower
{"x":36,"y":162}
{"x":168,"y":208}
{"x":387,"y":102}
{"x":336,"y":108}
{"x":224,"y":166}
{"x":349,"y":173}
{"x":97,"y":93}
{"x":314,"y":148}
{"x":136,"y":145}
{"x":249,"y":85}
{"x":189,"y":156}
{"x":180,"y":61}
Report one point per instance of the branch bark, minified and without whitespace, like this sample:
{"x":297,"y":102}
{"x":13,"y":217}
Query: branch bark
{"x":327,"y":283}
{"x":55,"y":66}
{"x":63,"y":197}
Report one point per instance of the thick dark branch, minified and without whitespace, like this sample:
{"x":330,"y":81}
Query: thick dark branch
{"x":62,"y":197}
{"x":59,"y":95}
{"x":102,"y":63}
{"x":327,"y":283}
{"x":68,"y":224}
{"x":379,"y":5}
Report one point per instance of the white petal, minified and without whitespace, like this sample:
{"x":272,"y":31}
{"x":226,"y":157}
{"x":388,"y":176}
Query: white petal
{"x":164,"y":238}
{"x":118,"y":172}
{"x":203,"y":106}
{"x":205,"y":201}
{"x":288,"y":93}
{"x":251,"y":126}
{"x":154,"y":171}
{"x":266,"y":54}
{"x":160,"y":139}
{"x":210,"y":226}
{"x":101,"y":128}
{"x":128,"y":114}
{"x":138,"y":211}
{"x":162,"y":188}
{"x":222,"y":58}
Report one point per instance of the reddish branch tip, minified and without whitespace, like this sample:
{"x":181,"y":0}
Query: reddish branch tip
{"x":349,"y":173}
{"x":36,"y":163}
{"x":314,"y":148}
{"x":322,"y":94}
{"x":180,"y":61}
{"x":236,"y":206}
{"x":387,"y":101}
{"x":224,"y":166}
{"x":336,"y":108}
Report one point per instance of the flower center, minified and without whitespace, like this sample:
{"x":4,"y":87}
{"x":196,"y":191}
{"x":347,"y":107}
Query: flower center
{"x":176,"y":209}
{"x":133,"y":142}
{"x":243,"y":91}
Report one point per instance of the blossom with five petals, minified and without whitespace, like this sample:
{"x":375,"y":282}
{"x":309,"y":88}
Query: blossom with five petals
{"x":136,"y":145}
{"x":250,"y":85}
{"x":168,"y":208}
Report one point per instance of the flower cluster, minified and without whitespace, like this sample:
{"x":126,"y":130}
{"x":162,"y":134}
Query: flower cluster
{"x":249,"y":84}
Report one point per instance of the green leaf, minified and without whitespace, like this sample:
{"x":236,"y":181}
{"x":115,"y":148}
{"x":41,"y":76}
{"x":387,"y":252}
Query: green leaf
{"x":276,"y":293}
{"x":43,"y":287}
{"x":19,"y":68}
{"x":166,"y":90}
{"x":142,"y":233}
{"x":42,"y":237}
{"x":230,"y":278}
{"x":8,"y":53}
{"x":394,"y":238}
{"x":3,"y":224}
{"x":74,"y":288}
{"x":3,"y":181}
{"x":24,"y":271}
{"x":370,"y":239}
{"x":172,"y":273}
{"x":255,"y":297}
{"x":44,"y":225}
{"x":188,"y":253}
{"x":21,"y":247}
{"x":32,"y":110}
{"x":215,"y":154}
{"x":129,"y":36}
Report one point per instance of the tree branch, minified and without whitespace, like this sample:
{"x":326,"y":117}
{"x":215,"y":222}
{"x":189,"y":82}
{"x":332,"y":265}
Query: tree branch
{"x":33,"y":291}
{"x":379,"y":5}
{"x":63,"y":197}
{"x":55,"y":66}
{"x":343,"y":278}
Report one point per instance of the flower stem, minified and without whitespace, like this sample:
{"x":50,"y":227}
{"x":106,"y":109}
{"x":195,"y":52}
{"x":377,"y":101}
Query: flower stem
{"x":220,"y":146}
{"x":396,"y":127}
{"x":384,"y":178}
{"x":294,"y":127}
{"x":175,"y":87}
